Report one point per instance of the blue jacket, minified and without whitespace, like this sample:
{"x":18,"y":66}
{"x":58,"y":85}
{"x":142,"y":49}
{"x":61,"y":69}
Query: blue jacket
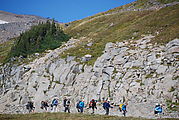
{"x":106,"y":105}
{"x":82,"y":104}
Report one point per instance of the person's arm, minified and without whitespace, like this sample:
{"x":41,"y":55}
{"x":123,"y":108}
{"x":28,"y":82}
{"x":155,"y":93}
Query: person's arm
{"x":110,"y":106}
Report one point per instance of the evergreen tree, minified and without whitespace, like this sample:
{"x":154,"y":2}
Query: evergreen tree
{"x":39,"y":38}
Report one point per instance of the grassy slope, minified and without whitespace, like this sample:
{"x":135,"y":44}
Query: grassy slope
{"x":123,"y":26}
{"x":4,"y":49}
{"x":65,"y":116}
{"x":102,"y":28}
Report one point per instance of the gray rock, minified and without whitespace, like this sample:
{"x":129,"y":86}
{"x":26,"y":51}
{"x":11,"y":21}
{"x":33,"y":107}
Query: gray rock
{"x":139,"y":77}
{"x":89,"y":44}
{"x":86,"y":58}
{"x":174,"y":49}
{"x":173,"y":43}
{"x":161,"y":69}
{"x":109,"y":46}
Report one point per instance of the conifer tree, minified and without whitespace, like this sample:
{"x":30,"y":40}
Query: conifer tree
{"x":39,"y":38}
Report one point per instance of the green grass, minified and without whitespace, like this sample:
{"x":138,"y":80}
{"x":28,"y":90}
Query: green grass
{"x":171,"y":89}
{"x":167,"y":1}
{"x":148,"y":76}
{"x":4,"y":49}
{"x":102,"y":28}
{"x":164,"y":21}
{"x":65,"y":116}
{"x":137,"y":4}
{"x":172,"y":106}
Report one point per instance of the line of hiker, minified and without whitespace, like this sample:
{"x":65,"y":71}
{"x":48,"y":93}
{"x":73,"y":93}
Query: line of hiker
{"x":80,"y":105}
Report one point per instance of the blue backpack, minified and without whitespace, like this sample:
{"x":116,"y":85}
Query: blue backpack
{"x":81,"y":104}
{"x":158,"y":109}
{"x":123,"y":107}
{"x":55,"y":102}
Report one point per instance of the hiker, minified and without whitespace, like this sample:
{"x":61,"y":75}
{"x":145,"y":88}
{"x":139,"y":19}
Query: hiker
{"x":81,"y":106}
{"x":106,"y":106}
{"x":158,"y":109}
{"x":67,"y":106}
{"x":64,"y":102}
{"x":92,"y":105}
{"x":123,"y":109}
{"x":77,"y":106}
{"x":44,"y":105}
{"x":54,"y":104}
{"x":30,"y":106}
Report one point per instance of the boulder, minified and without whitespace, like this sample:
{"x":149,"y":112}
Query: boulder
{"x":161,"y":69}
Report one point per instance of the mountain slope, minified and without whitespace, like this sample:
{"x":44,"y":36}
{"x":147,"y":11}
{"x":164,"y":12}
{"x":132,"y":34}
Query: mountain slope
{"x":11,"y":26}
{"x":135,"y":72}
{"x":15,"y":24}
{"x":126,"y":55}
{"x":115,"y":25}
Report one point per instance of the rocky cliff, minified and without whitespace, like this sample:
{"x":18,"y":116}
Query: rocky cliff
{"x":129,"y":54}
{"x":134,"y":71}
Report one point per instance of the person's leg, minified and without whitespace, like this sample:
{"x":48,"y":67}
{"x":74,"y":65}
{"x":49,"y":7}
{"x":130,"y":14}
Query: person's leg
{"x":78,"y":109}
{"x":68,"y":109}
{"x":52,"y":108}
{"x":93,"y":110}
{"x":30,"y":110}
{"x":107,"y":111}
{"x":55,"y":108}
{"x":65,"y":109}
{"x":120,"y":109}
{"x":81,"y":109}
{"x":124,"y":112}
{"x":45,"y":108}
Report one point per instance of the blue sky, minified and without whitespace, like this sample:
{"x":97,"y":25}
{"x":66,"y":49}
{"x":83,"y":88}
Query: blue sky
{"x":60,"y":10}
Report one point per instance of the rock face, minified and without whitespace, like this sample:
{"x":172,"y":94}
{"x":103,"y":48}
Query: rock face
{"x":136,"y":72}
{"x":11,"y":25}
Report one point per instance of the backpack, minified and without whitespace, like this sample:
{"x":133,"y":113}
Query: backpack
{"x":55,"y":102}
{"x":158,"y":109}
{"x":27,"y":106}
{"x":31,"y":105}
{"x":93,"y":104}
{"x":81,"y":104}
{"x":123,"y":107}
{"x":64,"y":102}
{"x":77,"y":105}
{"x":120,"y":106}
{"x":68,"y":103}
